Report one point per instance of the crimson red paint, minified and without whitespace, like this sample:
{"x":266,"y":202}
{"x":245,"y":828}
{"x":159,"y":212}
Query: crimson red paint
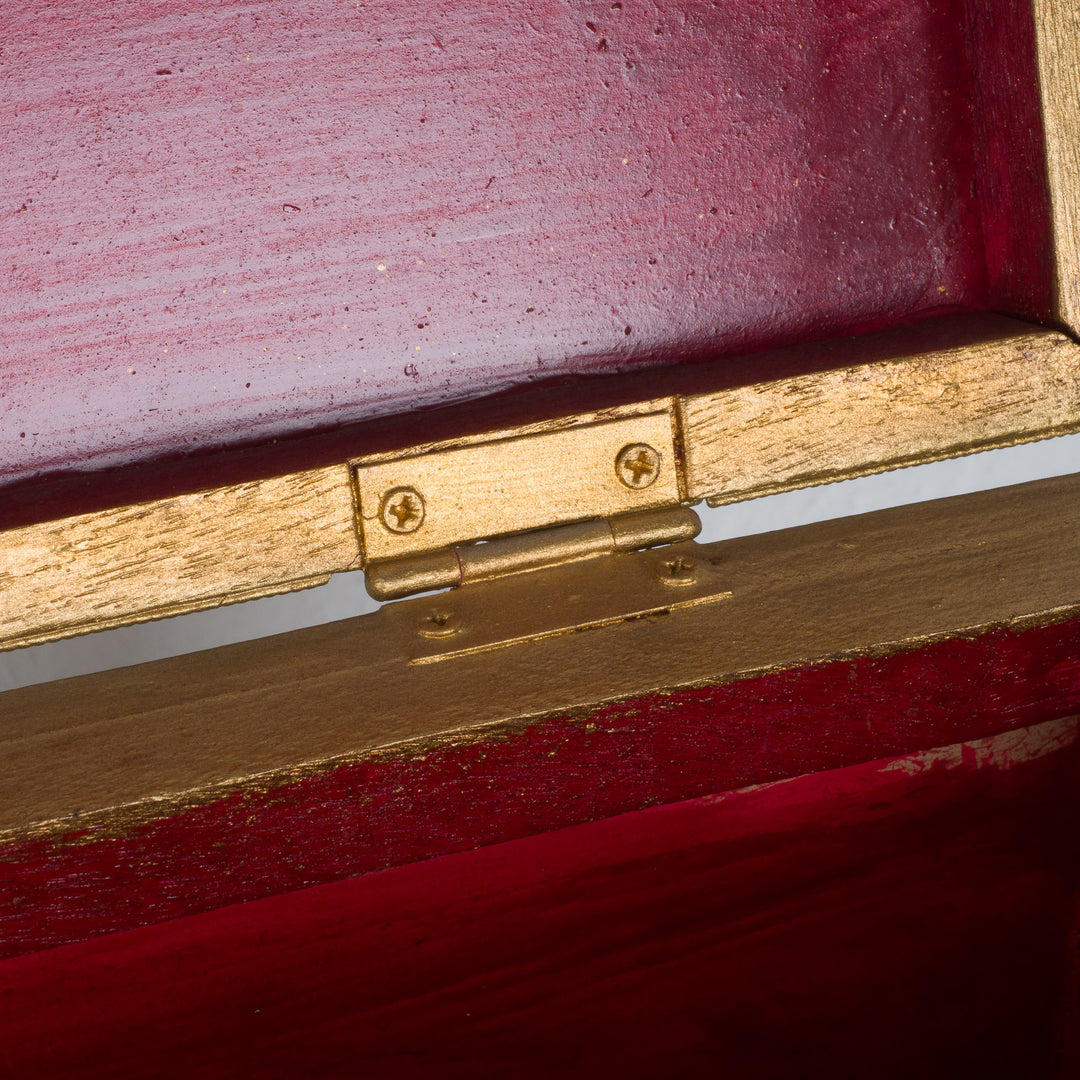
{"x":555,"y":772}
{"x":1014,"y":199}
{"x":908,"y":917}
{"x":228,"y":224}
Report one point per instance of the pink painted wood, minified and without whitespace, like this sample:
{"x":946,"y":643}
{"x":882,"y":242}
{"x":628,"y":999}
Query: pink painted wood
{"x":229,"y":223}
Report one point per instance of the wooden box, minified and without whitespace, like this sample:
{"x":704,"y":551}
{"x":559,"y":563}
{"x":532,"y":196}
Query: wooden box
{"x":487,"y":297}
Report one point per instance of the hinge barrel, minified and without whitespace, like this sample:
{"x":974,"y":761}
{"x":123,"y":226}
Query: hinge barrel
{"x":450,"y":567}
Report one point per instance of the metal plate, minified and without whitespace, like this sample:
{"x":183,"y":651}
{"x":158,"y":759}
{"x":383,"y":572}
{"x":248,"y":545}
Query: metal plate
{"x":444,"y":497}
{"x":526,"y":608}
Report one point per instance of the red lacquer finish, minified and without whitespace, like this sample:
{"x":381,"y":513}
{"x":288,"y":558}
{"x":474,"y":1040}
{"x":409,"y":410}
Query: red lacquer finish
{"x":230,"y":223}
{"x":553,"y":773}
{"x":907,"y":917}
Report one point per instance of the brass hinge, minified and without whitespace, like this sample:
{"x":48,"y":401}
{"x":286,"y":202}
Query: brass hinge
{"x":587,"y":486}
{"x":450,"y":567}
{"x":999,"y":381}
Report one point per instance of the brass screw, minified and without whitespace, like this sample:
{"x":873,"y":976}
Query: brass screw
{"x":439,"y":624}
{"x":637,"y":465}
{"x":402,"y":510}
{"x":678,"y":571}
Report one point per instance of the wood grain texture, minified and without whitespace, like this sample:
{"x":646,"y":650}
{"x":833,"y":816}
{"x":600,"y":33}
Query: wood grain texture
{"x":157,"y":791}
{"x":1057,"y":30}
{"x":229,"y":224}
{"x":770,"y":437}
{"x":1012,"y":183}
{"x":913,"y":916}
{"x":182,"y":554}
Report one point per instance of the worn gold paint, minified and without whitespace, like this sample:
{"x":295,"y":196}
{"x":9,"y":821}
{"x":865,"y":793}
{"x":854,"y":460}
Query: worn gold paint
{"x":835,"y":425}
{"x":175,"y":555}
{"x":120,"y":748}
{"x":235,"y":543}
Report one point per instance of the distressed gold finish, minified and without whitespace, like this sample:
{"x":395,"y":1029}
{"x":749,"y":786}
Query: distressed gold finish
{"x":1013,"y":383}
{"x":452,"y":567}
{"x":111,"y":750}
{"x":509,"y":485}
{"x":1057,"y":37}
{"x":175,"y":555}
{"x":834,"y":425}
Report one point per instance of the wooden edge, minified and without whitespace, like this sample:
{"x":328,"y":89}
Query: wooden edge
{"x":1057,"y":38}
{"x":175,"y":555}
{"x":912,"y":913}
{"x":791,"y":433}
{"x":110,"y":750}
{"x":192,"y":552}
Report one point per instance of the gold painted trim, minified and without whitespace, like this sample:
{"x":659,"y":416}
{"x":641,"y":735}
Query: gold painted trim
{"x":836,"y":425}
{"x":235,"y":543}
{"x":114,"y":749}
{"x":171,"y":556}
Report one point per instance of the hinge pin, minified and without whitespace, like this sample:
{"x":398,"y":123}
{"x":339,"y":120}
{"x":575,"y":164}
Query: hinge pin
{"x":389,"y":579}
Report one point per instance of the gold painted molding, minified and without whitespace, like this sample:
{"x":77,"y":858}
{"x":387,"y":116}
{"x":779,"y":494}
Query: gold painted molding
{"x":836,"y":425}
{"x":113,"y":749}
{"x":135,"y":563}
{"x":192,"y":552}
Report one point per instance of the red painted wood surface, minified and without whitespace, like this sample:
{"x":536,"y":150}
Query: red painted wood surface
{"x":233,"y":222}
{"x":1014,"y":196}
{"x":908,"y":917}
{"x":556,"y":772}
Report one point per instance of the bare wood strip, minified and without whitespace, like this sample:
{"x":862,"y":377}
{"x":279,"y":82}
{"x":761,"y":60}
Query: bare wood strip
{"x":163,"y":558}
{"x":790,"y":433}
{"x":1057,"y":36}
